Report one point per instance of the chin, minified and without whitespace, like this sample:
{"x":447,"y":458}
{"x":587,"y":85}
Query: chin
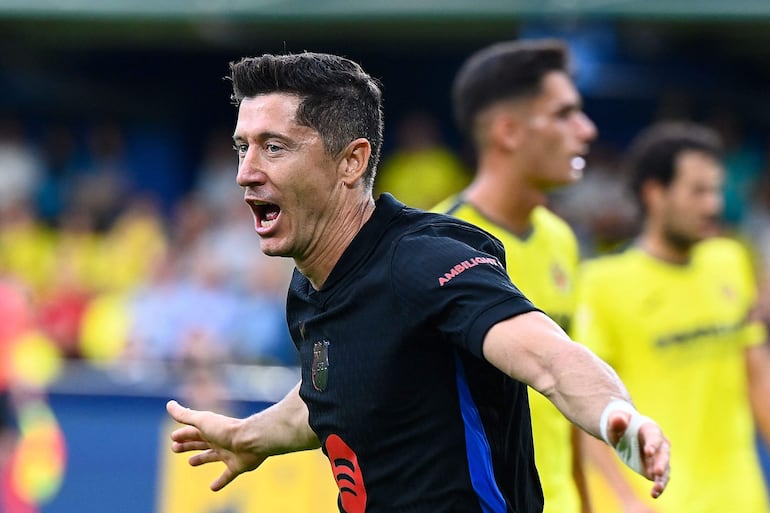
{"x":272,"y":250}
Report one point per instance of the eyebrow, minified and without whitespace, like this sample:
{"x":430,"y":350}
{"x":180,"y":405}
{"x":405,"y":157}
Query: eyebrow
{"x":264,"y":135}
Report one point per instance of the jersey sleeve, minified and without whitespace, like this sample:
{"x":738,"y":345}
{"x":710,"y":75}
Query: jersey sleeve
{"x":458,"y":285}
{"x":754,"y":332}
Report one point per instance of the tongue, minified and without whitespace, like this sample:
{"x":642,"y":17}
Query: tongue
{"x":271,"y":212}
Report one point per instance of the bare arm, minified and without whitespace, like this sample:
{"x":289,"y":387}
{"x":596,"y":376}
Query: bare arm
{"x":758,"y":369}
{"x":242,"y":444}
{"x":535,"y":350}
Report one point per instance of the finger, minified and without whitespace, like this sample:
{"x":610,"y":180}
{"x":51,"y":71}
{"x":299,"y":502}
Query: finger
{"x":660,"y":484}
{"x":202,"y":458}
{"x":618,"y":423}
{"x":186,"y":434}
{"x":223,"y":480}
{"x":179,"y":413}
{"x":660,"y":468}
{"x":189,"y":446}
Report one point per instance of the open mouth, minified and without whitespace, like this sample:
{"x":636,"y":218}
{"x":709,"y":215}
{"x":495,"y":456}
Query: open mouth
{"x":265,"y":214}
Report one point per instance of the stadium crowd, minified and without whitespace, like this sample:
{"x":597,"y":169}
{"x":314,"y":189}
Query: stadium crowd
{"x":114,"y":274}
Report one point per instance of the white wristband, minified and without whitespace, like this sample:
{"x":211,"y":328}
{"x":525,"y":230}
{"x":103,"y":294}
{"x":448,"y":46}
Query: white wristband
{"x":627,"y":447}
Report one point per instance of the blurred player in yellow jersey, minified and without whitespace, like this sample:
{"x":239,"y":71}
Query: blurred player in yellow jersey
{"x":672,"y":314}
{"x":518,"y":104}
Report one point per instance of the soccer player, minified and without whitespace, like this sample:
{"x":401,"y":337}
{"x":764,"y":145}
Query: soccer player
{"x":415,"y":346}
{"x":672,"y":314}
{"x":518,"y":105}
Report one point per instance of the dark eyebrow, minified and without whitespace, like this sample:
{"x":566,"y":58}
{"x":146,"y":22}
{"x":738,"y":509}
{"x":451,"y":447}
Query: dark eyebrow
{"x":569,"y":107}
{"x":264,"y":135}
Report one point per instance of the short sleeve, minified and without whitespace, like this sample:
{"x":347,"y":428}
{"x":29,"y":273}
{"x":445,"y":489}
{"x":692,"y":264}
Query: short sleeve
{"x":454,"y":278}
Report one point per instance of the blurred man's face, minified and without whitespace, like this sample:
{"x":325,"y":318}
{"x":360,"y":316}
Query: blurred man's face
{"x":556,"y":134}
{"x":689,"y":209}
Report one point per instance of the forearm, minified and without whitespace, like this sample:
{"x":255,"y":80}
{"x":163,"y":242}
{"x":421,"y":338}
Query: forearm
{"x":279,"y":429}
{"x":580,"y":385}
{"x":535,"y":350}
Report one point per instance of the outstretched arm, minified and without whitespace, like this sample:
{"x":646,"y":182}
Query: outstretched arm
{"x":533,"y":349}
{"x":242,"y":444}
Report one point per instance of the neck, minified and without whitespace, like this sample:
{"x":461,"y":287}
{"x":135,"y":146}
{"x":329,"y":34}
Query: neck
{"x":504,"y":198}
{"x":658,"y":247}
{"x":338,"y":233}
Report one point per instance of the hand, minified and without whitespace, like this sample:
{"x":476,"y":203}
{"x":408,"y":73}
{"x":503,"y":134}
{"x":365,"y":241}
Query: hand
{"x":653,"y":445}
{"x":216,"y":436}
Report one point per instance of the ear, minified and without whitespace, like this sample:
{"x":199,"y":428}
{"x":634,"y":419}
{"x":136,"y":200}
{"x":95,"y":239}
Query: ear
{"x":353,"y":161}
{"x":506,"y":129}
{"x":652,"y":193}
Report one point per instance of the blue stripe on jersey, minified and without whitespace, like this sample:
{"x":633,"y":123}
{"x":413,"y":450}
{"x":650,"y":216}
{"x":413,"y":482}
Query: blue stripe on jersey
{"x":477,"y":449}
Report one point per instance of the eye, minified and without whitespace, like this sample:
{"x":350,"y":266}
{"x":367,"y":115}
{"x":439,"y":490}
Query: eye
{"x":566,"y":113}
{"x":241,"y":149}
{"x":273,"y":148}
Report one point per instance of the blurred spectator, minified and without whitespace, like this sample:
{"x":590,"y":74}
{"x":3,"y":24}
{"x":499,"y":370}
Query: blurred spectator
{"x":21,"y":167}
{"x":101,"y":186}
{"x":215,"y":185}
{"x":153,"y":313}
{"x":105,"y":325}
{"x":261,"y":335}
{"x":61,"y":162}
{"x":743,"y":161}
{"x":32,"y":446}
{"x":26,"y":245}
{"x":421,"y":170}
{"x":135,"y":241}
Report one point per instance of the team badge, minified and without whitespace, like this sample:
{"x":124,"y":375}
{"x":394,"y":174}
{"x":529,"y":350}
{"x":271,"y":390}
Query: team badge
{"x":559,"y":277}
{"x":320,"y":366}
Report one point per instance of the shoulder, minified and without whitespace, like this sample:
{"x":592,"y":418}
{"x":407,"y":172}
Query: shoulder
{"x":448,"y":205}
{"x":605,"y":268}
{"x":435,"y":235}
{"x":724,"y":253}
{"x":545,"y":220}
{"x":721,"y":248}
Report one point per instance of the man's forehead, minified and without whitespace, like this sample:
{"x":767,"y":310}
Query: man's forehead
{"x":269,"y":103}
{"x":558,"y":87}
{"x":274,"y":109}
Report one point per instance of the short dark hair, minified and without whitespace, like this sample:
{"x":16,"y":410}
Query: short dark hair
{"x":504,"y":71}
{"x":338,"y":98}
{"x":652,"y":154}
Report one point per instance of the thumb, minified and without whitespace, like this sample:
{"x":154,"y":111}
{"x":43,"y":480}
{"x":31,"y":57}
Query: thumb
{"x":178,"y":412}
{"x":617,"y":423}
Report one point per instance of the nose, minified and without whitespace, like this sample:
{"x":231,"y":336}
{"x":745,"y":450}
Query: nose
{"x":249,"y":172}
{"x":715,"y":203}
{"x":586,"y":127}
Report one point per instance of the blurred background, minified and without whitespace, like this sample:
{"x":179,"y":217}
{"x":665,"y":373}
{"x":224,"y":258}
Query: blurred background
{"x":129,"y":270}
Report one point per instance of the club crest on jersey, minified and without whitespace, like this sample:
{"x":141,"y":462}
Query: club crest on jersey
{"x":320,"y":366}
{"x":560,"y":277}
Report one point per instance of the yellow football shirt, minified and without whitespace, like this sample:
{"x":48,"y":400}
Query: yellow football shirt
{"x":543,"y":266}
{"x":676,"y":335}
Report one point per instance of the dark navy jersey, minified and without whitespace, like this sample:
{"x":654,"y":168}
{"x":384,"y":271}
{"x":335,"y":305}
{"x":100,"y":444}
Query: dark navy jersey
{"x":410,"y":415}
